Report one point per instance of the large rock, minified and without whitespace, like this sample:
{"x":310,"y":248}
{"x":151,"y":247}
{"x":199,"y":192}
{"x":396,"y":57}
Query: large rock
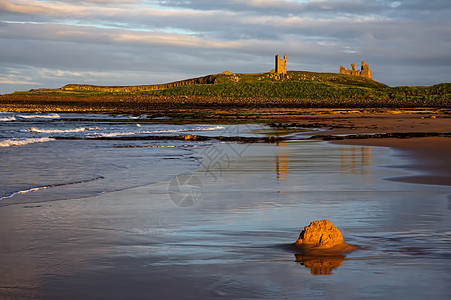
{"x":322,"y":235}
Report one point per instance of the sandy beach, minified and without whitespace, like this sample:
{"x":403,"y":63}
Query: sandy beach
{"x":233,"y":239}
{"x":290,"y":149}
{"x":227,"y":230}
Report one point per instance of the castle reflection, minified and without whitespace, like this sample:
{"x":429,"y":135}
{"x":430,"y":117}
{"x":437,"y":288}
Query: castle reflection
{"x":282,"y":161}
{"x":320,"y":265}
{"x":354,"y":160}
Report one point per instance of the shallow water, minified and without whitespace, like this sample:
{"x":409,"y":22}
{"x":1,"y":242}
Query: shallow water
{"x":36,"y":165}
{"x":225,"y":231}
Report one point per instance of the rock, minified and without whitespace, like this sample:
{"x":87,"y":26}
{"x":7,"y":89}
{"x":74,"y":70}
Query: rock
{"x":321,"y":235}
{"x":321,"y":248}
{"x":190,"y":137}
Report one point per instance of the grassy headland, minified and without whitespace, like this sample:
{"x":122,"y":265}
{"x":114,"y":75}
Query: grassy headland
{"x":232,"y":91}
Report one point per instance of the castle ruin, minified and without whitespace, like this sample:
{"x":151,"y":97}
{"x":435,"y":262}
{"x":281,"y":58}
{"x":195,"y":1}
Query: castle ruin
{"x":281,"y":65}
{"x":363,"y":72}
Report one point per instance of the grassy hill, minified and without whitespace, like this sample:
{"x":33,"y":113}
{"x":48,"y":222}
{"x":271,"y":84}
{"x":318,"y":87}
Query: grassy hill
{"x":295,"y":89}
{"x":233,"y":79}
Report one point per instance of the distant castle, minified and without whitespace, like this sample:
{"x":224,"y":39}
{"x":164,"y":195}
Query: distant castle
{"x":364,"y":70}
{"x":280,"y":65}
{"x":281,"y":68}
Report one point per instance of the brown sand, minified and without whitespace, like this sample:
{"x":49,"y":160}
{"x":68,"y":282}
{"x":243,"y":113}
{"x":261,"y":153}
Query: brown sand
{"x":337,"y":122}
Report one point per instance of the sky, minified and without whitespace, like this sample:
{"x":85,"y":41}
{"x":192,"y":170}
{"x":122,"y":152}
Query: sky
{"x":47,"y":44}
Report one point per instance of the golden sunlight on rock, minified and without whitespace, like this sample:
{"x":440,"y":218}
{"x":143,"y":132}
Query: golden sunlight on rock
{"x":321,"y":247}
{"x":322,"y":235}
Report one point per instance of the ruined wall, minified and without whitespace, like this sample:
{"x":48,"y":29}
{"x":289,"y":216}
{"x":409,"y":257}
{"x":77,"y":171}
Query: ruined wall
{"x":363,"y":72}
{"x":281,"y":65}
{"x":210,"y":79}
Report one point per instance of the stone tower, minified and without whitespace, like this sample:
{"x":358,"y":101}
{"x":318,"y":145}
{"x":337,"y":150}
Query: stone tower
{"x":365,"y":70}
{"x":281,"y":65}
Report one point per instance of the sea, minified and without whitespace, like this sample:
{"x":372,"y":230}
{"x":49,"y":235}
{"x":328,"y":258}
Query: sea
{"x":46,"y":157}
{"x":97,"y":207}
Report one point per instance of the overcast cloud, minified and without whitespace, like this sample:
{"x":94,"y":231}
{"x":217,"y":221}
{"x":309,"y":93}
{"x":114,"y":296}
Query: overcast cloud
{"x":114,"y":42}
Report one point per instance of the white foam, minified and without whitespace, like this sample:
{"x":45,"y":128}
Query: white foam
{"x":114,"y":134}
{"x":22,"y":142}
{"x":25,"y":192}
{"x":49,"y":116}
{"x":6,"y":119}
{"x":40,"y":188}
{"x":212,"y":128}
{"x":37,"y":130}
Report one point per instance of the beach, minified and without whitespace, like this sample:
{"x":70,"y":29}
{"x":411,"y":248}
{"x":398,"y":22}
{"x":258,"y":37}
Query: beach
{"x":225,"y":228}
{"x":225,"y":150}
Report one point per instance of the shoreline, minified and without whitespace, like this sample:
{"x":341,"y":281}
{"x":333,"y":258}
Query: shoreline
{"x":422,"y":133}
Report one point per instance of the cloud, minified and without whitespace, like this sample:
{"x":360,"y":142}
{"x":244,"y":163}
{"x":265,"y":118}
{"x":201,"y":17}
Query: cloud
{"x":191,"y":38}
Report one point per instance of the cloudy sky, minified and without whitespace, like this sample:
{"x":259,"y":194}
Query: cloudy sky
{"x":47,"y":43}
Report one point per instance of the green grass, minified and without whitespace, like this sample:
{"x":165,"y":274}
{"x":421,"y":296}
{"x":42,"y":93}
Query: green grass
{"x":296,"y":89}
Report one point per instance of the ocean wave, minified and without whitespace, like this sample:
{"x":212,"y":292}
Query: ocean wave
{"x":23,"y":142}
{"x":114,"y":134}
{"x":44,"y":187}
{"x":6,"y":119}
{"x":81,"y":129}
{"x":39,"y":116}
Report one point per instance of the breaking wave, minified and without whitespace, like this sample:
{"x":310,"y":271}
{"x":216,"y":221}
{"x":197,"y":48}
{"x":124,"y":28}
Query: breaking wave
{"x":114,"y":134}
{"x":6,"y":119}
{"x":40,"y":116}
{"x":81,"y":129}
{"x":23,"y":142}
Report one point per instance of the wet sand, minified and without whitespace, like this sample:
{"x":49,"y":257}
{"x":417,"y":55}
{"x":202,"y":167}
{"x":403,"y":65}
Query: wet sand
{"x":234,"y":241}
{"x":429,"y":157}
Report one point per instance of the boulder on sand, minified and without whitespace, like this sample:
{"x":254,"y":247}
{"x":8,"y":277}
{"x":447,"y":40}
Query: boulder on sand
{"x":322,"y":236}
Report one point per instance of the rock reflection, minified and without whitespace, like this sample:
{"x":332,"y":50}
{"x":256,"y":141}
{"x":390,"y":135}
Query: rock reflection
{"x":320,"y":265}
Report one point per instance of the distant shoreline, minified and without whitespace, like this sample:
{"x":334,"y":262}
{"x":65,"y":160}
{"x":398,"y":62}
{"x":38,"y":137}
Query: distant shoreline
{"x":228,"y":91}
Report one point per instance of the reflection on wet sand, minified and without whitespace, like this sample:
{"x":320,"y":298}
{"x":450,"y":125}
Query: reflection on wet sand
{"x":282,"y":161}
{"x":320,"y":265}
{"x":352,"y":160}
